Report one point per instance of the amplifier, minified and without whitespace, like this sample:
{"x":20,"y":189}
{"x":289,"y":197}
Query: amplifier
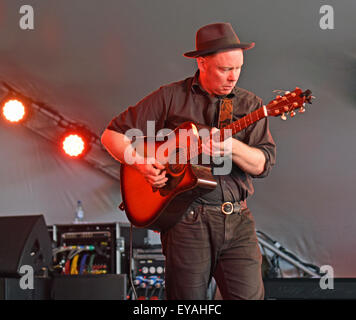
{"x":148,"y":262}
{"x":94,"y":248}
{"x":148,"y":273}
{"x":85,"y":248}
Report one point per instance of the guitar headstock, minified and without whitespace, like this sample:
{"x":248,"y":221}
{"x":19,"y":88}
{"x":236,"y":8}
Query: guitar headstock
{"x":290,"y":101}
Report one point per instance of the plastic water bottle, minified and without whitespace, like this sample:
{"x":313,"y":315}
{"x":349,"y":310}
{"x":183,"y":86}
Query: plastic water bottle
{"x":79,"y":212}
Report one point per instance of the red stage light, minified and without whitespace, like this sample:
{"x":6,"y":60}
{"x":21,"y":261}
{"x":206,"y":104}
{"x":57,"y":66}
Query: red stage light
{"x":74,"y":144}
{"x":13,"y":110}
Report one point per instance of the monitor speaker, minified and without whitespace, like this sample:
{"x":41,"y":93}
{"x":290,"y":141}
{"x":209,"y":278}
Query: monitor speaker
{"x":90,"y":287}
{"x":24,"y":240}
{"x":309,"y":289}
{"x":10,"y":289}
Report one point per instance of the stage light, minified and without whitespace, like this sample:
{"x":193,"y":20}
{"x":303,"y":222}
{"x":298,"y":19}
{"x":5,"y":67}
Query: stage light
{"x":75,"y":143}
{"x":13,"y":110}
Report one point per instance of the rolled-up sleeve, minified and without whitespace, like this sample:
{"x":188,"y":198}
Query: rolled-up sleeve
{"x":259,"y":136}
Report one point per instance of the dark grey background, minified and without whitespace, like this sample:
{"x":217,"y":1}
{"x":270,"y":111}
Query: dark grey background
{"x":91,"y":59}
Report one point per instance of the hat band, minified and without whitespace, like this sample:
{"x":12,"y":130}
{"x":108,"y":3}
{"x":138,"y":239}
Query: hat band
{"x":217,"y":43}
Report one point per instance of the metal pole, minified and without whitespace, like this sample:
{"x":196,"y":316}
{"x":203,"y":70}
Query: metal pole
{"x":287,"y":258}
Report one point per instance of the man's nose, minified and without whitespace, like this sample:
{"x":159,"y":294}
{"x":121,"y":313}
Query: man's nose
{"x":233,"y":75}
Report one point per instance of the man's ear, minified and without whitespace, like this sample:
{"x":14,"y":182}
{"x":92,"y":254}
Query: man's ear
{"x":201,"y":61}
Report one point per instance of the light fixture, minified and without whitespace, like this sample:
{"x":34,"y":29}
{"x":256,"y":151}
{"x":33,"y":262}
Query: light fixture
{"x":76,"y":142}
{"x":14,"y":108}
{"x":46,"y":121}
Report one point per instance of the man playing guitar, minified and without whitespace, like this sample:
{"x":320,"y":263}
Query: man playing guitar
{"x":215,"y":234}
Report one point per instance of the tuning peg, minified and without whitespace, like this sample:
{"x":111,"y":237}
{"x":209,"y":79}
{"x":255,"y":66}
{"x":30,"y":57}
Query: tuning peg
{"x":283,"y":116}
{"x":292,"y":114}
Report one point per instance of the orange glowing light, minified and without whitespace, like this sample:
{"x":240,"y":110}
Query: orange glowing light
{"x":13,"y":110}
{"x":73,"y":145}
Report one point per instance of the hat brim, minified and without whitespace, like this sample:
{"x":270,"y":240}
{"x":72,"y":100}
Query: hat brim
{"x":199,"y":53}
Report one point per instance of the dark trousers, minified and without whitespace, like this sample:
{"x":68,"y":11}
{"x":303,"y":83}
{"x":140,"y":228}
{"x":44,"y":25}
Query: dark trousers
{"x":207,"y":243}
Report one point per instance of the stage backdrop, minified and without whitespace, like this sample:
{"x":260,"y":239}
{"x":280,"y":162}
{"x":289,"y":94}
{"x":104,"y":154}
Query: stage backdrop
{"x":91,"y":59}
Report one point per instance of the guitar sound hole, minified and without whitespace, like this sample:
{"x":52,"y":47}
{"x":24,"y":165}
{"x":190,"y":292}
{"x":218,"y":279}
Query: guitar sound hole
{"x":176,"y":168}
{"x":177,"y":161}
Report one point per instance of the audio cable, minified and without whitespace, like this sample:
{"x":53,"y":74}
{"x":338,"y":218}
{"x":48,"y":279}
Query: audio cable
{"x":130,"y":261}
{"x":82,"y":263}
{"x":73,"y":267}
{"x":91,"y":262}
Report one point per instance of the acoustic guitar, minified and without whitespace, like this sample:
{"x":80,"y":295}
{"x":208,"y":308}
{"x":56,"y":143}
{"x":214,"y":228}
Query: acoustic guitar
{"x":159,"y":209}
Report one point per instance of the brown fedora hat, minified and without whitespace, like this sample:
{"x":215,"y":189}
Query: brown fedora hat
{"x":216,"y":37}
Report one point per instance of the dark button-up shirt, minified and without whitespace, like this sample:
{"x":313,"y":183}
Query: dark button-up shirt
{"x":182,"y":101}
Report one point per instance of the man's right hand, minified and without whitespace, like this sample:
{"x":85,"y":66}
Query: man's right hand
{"x":153,"y":171}
{"x":119,"y":146}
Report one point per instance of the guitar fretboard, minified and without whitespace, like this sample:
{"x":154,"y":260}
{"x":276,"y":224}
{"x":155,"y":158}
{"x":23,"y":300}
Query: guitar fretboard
{"x":242,"y":123}
{"x":231,"y":129}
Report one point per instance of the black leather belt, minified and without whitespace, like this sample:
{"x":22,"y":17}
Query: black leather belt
{"x":229,"y":207}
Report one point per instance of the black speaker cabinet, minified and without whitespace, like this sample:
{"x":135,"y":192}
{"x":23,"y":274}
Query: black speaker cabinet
{"x":24,"y":240}
{"x":309,"y":289}
{"x":10,"y":289}
{"x":90,"y":287}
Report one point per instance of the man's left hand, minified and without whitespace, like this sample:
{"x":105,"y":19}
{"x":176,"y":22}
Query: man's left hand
{"x":214,"y":147}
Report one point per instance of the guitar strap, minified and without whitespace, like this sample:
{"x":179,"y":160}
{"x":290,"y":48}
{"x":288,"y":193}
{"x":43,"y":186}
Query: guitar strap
{"x":225,"y":112}
{"x":225,"y":118}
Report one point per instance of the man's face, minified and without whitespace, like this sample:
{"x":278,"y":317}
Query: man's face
{"x":219,"y":73}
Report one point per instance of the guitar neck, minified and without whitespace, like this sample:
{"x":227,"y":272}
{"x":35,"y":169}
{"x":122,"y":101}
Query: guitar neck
{"x":242,"y":123}
{"x":232,"y":129}
{"x":280,"y":106}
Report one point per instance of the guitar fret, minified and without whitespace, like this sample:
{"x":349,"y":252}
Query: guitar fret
{"x":247,"y":120}
{"x":255,"y":113}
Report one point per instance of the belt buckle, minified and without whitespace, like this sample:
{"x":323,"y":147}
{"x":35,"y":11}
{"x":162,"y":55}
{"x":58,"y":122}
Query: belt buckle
{"x":225,"y":211}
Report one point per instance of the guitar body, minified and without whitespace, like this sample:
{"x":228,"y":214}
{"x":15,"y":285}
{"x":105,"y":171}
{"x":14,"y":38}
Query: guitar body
{"x":160,"y":209}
